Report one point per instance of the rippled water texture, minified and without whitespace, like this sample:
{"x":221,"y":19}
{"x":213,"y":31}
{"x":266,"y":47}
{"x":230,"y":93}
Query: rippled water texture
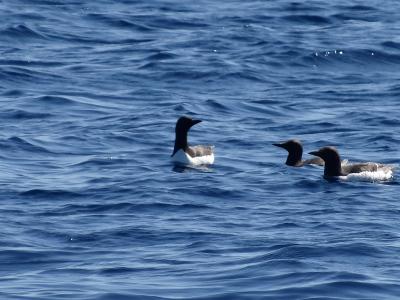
{"x":90,"y":206}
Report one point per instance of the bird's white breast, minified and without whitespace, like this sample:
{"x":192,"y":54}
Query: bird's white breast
{"x":182,"y":157}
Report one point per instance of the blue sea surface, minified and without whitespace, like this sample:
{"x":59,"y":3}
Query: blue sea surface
{"x":91,"y":207}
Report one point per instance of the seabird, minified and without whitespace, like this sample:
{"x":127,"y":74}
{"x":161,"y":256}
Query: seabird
{"x":334,"y":168}
{"x":295,"y":152}
{"x":185,"y":154}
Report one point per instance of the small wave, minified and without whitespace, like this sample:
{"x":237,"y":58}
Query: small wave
{"x":27,"y":256}
{"x":52,"y":2}
{"x":25,"y":74}
{"x":354,"y":59}
{"x":217,"y":106}
{"x":16,"y":74}
{"x":31,"y":63}
{"x":34,"y":16}
{"x":245,"y":74}
{"x":125,"y":270}
{"x":262,"y":108}
{"x":286,"y":225}
{"x":319,"y":285}
{"x":80,"y":39}
{"x":181,"y":168}
{"x":297,"y":252}
{"x":352,"y":15}
{"x":20,"y":32}
{"x":18,"y":143}
{"x":157,"y":61}
{"x":359,"y":7}
{"x":385,"y":138}
{"x":302,"y":6}
{"x":13,"y":93}
{"x":391,"y":44}
{"x":119,"y":23}
{"x":185,"y":75}
{"x":54,"y":100}
{"x":101,"y":161}
{"x":175,"y":23}
{"x":161,"y":56}
{"x":19,"y":114}
{"x":130,"y":296}
{"x":54,"y":194}
{"x":307,"y":183}
{"x":130,"y":207}
{"x":307,"y":19}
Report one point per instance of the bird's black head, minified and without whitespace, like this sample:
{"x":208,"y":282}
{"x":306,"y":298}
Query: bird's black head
{"x":327,"y":153}
{"x":184,"y":123}
{"x":332,"y":160}
{"x":294,"y":149}
{"x":181,"y":130}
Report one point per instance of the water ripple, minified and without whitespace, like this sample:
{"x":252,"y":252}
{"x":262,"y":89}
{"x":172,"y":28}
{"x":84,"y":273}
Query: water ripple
{"x":92,"y":208}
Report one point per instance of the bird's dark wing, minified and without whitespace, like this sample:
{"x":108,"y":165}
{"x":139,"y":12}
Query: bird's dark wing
{"x":200,"y":150}
{"x":363,"y":167}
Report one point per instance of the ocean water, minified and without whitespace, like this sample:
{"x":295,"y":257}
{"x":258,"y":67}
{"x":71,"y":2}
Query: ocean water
{"x":90,"y":205}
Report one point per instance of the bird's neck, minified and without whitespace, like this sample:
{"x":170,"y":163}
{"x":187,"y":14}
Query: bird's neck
{"x":180,"y":142}
{"x":294,"y":158}
{"x":333,"y":168}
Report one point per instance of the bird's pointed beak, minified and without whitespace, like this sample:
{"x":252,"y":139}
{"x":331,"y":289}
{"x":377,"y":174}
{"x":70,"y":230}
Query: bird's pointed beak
{"x":315,"y":153}
{"x":280,"y":145}
{"x":194,"y":122}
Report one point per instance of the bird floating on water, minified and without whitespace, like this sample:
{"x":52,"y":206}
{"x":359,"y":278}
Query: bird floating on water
{"x":295,"y":153}
{"x":190,"y":155}
{"x":334,"y":168}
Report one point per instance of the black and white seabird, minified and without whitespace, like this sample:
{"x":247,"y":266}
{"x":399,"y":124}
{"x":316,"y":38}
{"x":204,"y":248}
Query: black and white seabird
{"x":295,"y":152}
{"x":185,"y":154}
{"x":334,"y":167}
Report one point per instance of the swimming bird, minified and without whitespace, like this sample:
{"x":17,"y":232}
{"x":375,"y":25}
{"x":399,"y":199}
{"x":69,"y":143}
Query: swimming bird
{"x":334,"y":167}
{"x":295,"y":152}
{"x":185,"y":154}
